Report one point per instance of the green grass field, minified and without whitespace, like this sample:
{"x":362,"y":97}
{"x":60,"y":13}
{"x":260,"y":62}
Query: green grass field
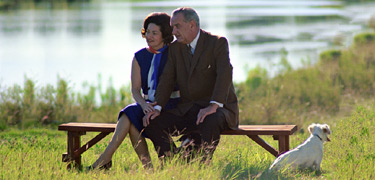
{"x":36,"y":154}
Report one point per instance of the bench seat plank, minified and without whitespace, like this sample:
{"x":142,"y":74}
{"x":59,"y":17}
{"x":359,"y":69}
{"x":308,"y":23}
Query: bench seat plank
{"x":262,"y":130}
{"x":243,"y":129}
{"x":94,"y":127}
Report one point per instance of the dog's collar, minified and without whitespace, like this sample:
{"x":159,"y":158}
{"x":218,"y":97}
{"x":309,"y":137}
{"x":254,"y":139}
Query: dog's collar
{"x":318,"y":137}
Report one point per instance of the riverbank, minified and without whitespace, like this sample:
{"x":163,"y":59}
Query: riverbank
{"x":309,"y":94}
{"x":313,"y":92}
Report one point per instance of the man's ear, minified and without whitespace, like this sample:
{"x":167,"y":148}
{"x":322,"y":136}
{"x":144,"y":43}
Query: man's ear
{"x":192,"y":24}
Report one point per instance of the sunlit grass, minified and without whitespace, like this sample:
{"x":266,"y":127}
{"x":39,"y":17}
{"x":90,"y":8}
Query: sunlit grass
{"x":36,"y":154}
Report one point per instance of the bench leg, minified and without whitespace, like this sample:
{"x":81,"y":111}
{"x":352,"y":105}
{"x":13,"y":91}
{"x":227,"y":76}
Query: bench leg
{"x":283,"y":144}
{"x":73,"y":155}
{"x":74,"y":143}
{"x":264,"y":144}
{"x":89,"y":144}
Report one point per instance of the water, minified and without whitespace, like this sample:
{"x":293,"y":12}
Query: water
{"x":78,"y":42}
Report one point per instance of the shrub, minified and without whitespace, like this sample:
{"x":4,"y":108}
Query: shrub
{"x":312,"y":88}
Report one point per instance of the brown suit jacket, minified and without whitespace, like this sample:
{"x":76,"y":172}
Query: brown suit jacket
{"x":205,"y":77}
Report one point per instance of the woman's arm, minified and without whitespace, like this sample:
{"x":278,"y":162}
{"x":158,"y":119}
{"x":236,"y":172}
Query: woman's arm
{"x":136,"y":84}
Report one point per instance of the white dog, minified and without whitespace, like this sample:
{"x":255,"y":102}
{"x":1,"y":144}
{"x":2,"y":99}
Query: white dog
{"x":307,"y":155}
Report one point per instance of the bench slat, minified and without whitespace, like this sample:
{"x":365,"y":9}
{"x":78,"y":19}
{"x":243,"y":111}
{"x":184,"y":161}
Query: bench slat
{"x":96,"y":127}
{"x":262,"y":130}
{"x":243,"y":129}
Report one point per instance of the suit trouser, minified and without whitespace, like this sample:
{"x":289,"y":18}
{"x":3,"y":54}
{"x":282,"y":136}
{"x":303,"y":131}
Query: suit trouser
{"x":167,"y":124}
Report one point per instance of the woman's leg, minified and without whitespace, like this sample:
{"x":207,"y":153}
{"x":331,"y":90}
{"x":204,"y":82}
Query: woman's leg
{"x":122,"y":128}
{"x":140,"y":146}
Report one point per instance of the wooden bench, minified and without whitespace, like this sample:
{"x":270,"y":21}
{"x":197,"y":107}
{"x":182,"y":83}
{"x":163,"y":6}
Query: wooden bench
{"x":280,"y":133}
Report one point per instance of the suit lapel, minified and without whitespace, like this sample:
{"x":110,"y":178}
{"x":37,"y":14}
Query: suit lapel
{"x":198,"y":51}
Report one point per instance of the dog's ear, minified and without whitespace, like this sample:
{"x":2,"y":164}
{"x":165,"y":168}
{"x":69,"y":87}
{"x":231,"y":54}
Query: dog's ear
{"x":326,"y":129}
{"x":311,"y":127}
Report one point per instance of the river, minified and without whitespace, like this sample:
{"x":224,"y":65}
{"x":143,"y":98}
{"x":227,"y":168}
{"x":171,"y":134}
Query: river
{"x":80,"y":41}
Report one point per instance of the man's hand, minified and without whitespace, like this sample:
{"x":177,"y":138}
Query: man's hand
{"x":150,"y":115}
{"x":205,"y":112}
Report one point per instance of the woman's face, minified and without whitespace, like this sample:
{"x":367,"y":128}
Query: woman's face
{"x":154,"y":37}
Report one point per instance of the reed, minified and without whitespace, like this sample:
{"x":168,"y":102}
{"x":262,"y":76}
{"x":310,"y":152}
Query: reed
{"x":32,"y":106}
{"x":292,"y":96}
{"x":295,"y":96}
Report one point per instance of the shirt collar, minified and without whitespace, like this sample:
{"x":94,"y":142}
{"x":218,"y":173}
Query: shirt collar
{"x":193,"y":43}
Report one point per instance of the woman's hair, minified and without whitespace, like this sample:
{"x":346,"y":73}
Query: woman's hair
{"x":163,"y":21}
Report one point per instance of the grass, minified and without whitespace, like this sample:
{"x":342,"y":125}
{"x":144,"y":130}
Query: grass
{"x":36,"y":154}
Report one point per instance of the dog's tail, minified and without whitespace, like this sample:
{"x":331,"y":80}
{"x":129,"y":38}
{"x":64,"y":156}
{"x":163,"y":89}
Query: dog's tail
{"x":273,"y":167}
{"x":275,"y":164}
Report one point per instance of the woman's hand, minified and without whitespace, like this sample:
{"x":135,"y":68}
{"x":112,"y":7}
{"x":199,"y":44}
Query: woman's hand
{"x":148,"y":107}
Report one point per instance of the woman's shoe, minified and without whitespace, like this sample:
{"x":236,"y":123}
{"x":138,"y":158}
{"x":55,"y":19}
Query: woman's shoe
{"x":89,"y":168}
{"x":105,"y":166}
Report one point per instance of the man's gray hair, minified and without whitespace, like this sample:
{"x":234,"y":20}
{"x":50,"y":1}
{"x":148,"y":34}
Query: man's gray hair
{"x":189,"y":14}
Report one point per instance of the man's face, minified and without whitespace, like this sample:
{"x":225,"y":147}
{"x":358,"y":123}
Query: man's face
{"x":183,"y":31}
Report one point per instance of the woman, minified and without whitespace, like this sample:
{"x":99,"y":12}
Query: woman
{"x":147,"y":65}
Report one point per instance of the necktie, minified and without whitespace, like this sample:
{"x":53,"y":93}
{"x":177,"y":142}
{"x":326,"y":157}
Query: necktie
{"x":190,"y":50}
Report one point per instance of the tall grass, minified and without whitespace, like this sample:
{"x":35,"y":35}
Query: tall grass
{"x":36,"y":154}
{"x":315,"y":90}
{"x":293,"y":96}
{"x":32,"y":106}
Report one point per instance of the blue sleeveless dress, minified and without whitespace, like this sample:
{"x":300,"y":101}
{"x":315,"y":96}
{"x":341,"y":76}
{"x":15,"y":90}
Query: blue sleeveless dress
{"x":134,"y":111}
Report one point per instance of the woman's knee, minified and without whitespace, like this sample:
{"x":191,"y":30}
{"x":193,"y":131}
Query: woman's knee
{"x":124,"y":119}
{"x":122,"y":127}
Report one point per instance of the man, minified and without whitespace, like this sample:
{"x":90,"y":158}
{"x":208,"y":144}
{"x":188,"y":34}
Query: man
{"x":199,"y":64}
